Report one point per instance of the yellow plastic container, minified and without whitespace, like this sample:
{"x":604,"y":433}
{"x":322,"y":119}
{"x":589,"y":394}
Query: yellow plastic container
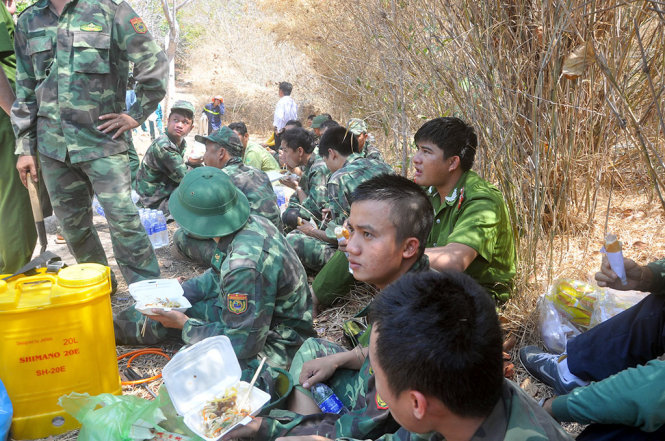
{"x":57,"y":338}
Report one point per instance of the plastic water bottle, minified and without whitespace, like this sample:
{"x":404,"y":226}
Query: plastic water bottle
{"x":327,"y":400}
{"x":154,"y":225}
{"x":162,"y":231}
{"x":281,"y":199}
{"x":135,"y":196}
{"x":97,"y":206}
{"x":145,"y":221}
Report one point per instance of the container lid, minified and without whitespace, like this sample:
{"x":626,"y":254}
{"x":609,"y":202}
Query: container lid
{"x":200,"y":372}
{"x":82,"y":274}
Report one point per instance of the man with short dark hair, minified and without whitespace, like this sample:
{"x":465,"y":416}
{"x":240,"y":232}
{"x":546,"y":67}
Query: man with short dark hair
{"x":472,"y":230}
{"x":310,"y":190}
{"x":255,"y":155}
{"x":316,"y":246}
{"x":381,"y":249}
{"x":285,"y":110}
{"x":442,"y":375}
{"x":163,"y":165}
{"x":224,"y":151}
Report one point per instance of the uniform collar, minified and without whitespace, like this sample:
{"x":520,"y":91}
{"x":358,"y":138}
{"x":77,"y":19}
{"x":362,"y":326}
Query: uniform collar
{"x":454,"y":196}
{"x":422,"y":264}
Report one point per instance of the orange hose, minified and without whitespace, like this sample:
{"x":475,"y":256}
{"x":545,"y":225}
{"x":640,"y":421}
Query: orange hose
{"x":136,"y":353}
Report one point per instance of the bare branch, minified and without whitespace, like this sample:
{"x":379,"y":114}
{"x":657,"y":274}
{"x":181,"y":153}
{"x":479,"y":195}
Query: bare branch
{"x":184,"y":3}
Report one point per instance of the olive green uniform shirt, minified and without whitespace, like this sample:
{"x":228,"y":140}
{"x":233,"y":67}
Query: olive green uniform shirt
{"x":475,"y":214}
{"x":258,"y":157}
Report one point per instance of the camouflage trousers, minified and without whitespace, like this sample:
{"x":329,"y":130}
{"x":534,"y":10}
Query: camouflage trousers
{"x":313,"y":253}
{"x":71,"y":187}
{"x":18,"y":237}
{"x":134,"y":161}
{"x":196,"y":250}
{"x":368,"y":417}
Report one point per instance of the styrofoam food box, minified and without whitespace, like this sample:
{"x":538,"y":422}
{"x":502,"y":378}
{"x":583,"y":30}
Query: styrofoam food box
{"x":148,"y":291}
{"x":203,"y":372}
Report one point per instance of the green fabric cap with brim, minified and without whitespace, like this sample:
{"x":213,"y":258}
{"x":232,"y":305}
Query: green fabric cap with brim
{"x":225,"y":137}
{"x":206,"y":204}
{"x":357,"y":126}
{"x":318,"y":120}
{"x":183,"y":105}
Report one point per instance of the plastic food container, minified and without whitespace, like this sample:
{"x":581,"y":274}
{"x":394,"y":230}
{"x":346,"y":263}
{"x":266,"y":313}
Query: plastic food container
{"x":203,"y":372}
{"x":149,"y":293}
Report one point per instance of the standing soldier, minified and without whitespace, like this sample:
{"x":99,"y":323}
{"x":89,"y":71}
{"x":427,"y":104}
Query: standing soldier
{"x":15,"y":248}
{"x":72,"y":68}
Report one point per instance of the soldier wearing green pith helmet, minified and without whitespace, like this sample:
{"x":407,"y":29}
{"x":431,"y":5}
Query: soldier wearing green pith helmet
{"x":72,"y":64}
{"x":224,"y":150}
{"x":256,"y":292}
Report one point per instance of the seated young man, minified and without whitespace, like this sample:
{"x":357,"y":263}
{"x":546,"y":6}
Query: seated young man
{"x":256,"y":292}
{"x":365,"y":147}
{"x":621,"y":357}
{"x":381,"y":249}
{"x":436,"y":350}
{"x":163,"y":165}
{"x":348,"y":170}
{"x":472,"y":230}
{"x":224,"y":151}
{"x":310,"y":194}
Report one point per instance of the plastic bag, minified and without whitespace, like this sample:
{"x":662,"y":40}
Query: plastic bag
{"x":612,"y":303}
{"x":107,"y":417}
{"x":571,"y":307}
{"x":555,"y":329}
{"x":575,"y":300}
{"x":6,"y":412}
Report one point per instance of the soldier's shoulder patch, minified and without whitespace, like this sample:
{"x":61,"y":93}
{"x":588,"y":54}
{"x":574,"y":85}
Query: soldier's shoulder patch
{"x":91,"y":27}
{"x":237,"y":303}
{"x":138,"y":25}
{"x":380,"y":404}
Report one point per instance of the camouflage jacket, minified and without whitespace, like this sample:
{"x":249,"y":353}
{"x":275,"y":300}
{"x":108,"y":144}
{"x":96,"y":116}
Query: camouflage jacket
{"x":371,"y":152}
{"x":161,"y":171}
{"x":263,"y":303}
{"x":73,"y":68}
{"x":256,"y":185}
{"x":516,"y":417}
{"x":369,"y":416}
{"x":313,"y":183}
{"x":341,"y":184}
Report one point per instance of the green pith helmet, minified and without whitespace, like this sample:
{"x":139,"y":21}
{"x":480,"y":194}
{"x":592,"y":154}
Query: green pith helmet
{"x":207,"y":204}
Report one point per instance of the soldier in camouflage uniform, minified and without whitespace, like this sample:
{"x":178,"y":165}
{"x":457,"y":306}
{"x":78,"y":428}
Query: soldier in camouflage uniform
{"x":310,"y":190}
{"x":71,"y":75}
{"x":315,"y":247}
{"x":381,"y":249}
{"x":359,"y":128}
{"x":256,"y":292}
{"x":224,"y":150}
{"x":441,"y":376}
{"x":163,"y":165}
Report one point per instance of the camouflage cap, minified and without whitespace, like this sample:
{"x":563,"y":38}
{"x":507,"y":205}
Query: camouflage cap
{"x":207,"y":204}
{"x":357,"y":126}
{"x":225,"y":137}
{"x":318,"y":120}
{"x":183,"y":105}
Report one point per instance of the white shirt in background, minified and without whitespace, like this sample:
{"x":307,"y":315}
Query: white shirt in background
{"x":285,"y":110}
